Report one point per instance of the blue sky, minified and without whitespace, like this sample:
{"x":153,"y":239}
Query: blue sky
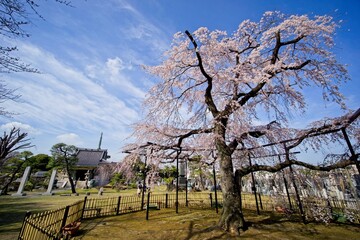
{"x":90,"y":58}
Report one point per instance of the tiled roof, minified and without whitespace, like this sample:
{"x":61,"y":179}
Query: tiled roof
{"x":91,"y":157}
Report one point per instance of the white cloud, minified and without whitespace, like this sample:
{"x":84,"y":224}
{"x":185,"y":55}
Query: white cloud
{"x":115,"y":65}
{"x":70,"y":139}
{"x":23,"y":127}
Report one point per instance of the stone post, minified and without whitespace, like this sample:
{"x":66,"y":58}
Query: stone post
{"x":51,"y":183}
{"x":23,"y":181}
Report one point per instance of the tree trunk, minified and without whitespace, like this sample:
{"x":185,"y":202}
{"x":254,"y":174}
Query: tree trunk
{"x":202,"y":184}
{"x":73,"y":190}
{"x":232,"y":219}
{"x":12,"y":178}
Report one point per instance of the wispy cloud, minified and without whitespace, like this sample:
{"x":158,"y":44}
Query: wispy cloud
{"x":90,"y":79}
{"x":115,"y":73}
{"x":63,"y":99}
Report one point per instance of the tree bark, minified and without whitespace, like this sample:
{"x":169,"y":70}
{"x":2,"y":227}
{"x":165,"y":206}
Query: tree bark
{"x":73,"y":190}
{"x":232,"y":218}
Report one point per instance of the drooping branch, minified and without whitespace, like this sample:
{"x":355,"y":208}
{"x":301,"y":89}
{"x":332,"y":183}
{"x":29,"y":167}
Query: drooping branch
{"x":335,"y":126}
{"x":183,"y":136}
{"x":275,"y":168}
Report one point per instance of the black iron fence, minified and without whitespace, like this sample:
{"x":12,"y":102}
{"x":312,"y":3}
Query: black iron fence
{"x":52,"y":224}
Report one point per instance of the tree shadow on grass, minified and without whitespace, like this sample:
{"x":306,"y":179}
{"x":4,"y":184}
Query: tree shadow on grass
{"x":88,"y":226}
{"x":276,"y":223}
{"x":11,"y":214}
{"x":217,"y":232}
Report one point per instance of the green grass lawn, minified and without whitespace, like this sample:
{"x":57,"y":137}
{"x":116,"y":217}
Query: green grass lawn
{"x":165,"y":223}
{"x":201,"y":224}
{"x":13,"y":209}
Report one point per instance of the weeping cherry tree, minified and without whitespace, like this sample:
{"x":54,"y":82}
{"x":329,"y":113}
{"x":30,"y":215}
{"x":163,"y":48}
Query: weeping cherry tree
{"x":213,"y":89}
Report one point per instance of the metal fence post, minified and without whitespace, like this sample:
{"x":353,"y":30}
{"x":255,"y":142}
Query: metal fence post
{"x":63,"y":223}
{"x":211,"y":200}
{"x":118,"y":206}
{"x":83,"y":209}
{"x":166,"y":200}
{"x":147,"y":206}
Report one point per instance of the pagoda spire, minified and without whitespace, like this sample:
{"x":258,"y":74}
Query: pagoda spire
{"x":100,"y":141}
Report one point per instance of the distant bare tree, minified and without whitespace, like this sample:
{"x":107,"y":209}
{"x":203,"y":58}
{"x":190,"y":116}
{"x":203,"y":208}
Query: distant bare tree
{"x":14,"y":15}
{"x":13,"y":168}
{"x":12,"y":142}
{"x":5,"y":95}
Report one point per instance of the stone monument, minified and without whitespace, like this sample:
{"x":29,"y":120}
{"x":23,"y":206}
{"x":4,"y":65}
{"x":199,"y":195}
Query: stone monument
{"x":22,"y":183}
{"x":51,"y":183}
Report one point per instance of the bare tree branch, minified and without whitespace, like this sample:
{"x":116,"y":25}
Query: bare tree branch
{"x":11,"y":142}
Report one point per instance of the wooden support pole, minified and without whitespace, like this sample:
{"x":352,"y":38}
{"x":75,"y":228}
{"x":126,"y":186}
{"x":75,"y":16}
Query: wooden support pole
{"x":351,"y":149}
{"x":215,"y":185}
{"x":254,"y":187}
{"x":295,"y":186}
{"x":286,"y":186}
{"x":177,"y":182}
{"x":144,"y":184}
{"x":186,"y":184}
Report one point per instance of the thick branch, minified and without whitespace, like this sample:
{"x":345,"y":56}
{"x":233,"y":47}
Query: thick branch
{"x":192,"y":132}
{"x":208,"y":96}
{"x":279,"y":44}
{"x":252,"y":93}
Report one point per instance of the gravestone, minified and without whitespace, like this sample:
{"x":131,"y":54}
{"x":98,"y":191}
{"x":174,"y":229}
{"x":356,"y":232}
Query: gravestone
{"x":22,"y":183}
{"x":51,"y":183}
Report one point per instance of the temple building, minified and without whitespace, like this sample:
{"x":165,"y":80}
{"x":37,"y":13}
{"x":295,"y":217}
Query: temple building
{"x":87,"y":169}
{"x":88,"y":161}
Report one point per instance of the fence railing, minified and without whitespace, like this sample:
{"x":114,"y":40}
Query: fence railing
{"x":50,"y":224}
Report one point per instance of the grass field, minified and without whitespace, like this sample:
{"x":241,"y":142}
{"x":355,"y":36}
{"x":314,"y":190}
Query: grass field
{"x":201,"y":224}
{"x":165,"y":223}
{"x":13,"y":209}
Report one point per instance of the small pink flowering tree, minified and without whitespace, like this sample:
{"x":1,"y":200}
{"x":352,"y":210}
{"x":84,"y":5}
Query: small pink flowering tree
{"x":213,"y":88}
